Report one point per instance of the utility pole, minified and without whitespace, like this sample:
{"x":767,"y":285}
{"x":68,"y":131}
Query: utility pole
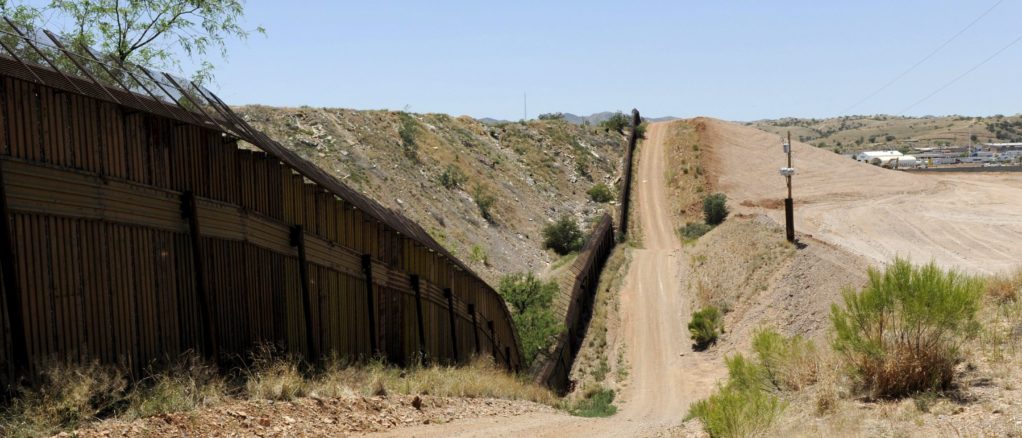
{"x":525,"y":106}
{"x":789,"y":203}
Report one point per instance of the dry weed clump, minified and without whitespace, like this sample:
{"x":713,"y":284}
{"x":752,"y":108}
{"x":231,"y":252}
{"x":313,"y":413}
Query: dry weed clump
{"x":186,"y":385}
{"x":273,"y":376}
{"x":1005,"y":288}
{"x":65,"y":396}
{"x":791,"y":363}
{"x":480,"y":379}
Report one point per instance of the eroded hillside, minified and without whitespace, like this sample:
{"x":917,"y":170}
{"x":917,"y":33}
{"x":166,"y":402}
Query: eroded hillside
{"x":438,"y":170}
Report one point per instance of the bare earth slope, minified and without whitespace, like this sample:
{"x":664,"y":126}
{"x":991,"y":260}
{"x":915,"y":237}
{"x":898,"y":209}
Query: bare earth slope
{"x":655,"y":310}
{"x":968,"y":221}
{"x":535,"y":171}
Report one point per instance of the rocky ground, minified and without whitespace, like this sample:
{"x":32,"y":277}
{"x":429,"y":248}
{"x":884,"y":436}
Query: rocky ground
{"x":313,"y":417}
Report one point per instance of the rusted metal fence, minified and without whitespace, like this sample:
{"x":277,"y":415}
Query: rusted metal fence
{"x":135,"y":228}
{"x":554,"y":370}
{"x":626,"y":180}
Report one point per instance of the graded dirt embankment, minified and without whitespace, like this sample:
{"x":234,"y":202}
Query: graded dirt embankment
{"x":968,"y":221}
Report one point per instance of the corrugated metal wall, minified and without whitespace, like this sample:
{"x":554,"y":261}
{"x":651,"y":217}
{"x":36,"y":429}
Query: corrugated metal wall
{"x":107,"y":267}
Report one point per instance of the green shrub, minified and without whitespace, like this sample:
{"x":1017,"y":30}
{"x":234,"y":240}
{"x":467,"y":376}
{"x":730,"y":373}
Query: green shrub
{"x":715,"y":208}
{"x":903,"y":332}
{"x":706,"y":326}
{"x":563,"y":236}
{"x":640,"y":131}
{"x":531,"y":303}
{"x":484,"y":200}
{"x":551,"y":116}
{"x":790,"y":363}
{"x":598,"y":402}
{"x":408,"y":131}
{"x":452,"y":177}
{"x":601,"y":193}
{"x":478,"y":255}
{"x":694,"y":230}
{"x":617,"y":122}
{"x":743,"y":406}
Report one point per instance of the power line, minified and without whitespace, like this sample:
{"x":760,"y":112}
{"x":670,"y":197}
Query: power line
{"x":925,"y":58}
{"x":966,"y":73}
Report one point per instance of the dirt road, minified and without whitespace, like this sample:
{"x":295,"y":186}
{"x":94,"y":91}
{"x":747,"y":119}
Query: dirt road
{"x":665,"y":376}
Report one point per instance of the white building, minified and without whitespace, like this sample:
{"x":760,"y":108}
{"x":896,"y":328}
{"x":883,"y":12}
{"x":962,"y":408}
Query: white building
{"x":868,"y":156}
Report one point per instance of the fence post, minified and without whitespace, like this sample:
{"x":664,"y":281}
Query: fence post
{"x":210,"y":338}
{"x":12,"y":291}
{"x":507,"y":358}
{"x":454,"y":332}
{"x":493,"y":341}
{"x":418,"y":316}
{"x":298,"y":241}
{"x":475,"y":326}
{"x":367,"y":270}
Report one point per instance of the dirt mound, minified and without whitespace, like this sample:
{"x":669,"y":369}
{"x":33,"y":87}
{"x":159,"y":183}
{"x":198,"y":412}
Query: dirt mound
{"x":747,"y":268}
{"x":967,"y":221}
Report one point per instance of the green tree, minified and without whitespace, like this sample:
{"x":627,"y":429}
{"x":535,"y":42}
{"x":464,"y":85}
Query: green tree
{"x":563,"y":236}
{"x":715,"y":208}
{"x":531,"y":302}
{"x":143,"y":32}
{"x":617,"y":122}
{"x":601,"y":193}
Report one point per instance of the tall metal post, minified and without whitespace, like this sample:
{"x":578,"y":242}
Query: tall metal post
{"x":449,"y":294}
{"x":12,"y":291}
{"x":298,"y":241}
{"x":789,"y":203}
{"x":367,"y":270}
{"x":475,"y":326}
{"x":418,"y":316}
{"x":210,"y":337}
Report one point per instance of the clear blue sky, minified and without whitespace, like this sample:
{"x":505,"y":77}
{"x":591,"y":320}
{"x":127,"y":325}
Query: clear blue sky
{"x":737,"y":60}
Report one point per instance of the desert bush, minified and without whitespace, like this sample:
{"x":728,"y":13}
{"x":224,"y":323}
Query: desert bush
{"x":408,"y":131}
{"x":484,"y":200}
{"x":706,"y":326}
{"x":903,"y":332}
{"x":694,"y":230}
{"x":563,"y":236}
{"x":742,"y":407}
{"x":478,"y":255}
{"x":715,"y":208}
{"x":1005,"y":288}
{"x":790,"y":363}
{"x":601,"y":193}
{"x":65,"y":397}
{"x":598,"y":402}
{"x":531,"y":302}
{"x":551,"y":116}
{"x":452,"y":177}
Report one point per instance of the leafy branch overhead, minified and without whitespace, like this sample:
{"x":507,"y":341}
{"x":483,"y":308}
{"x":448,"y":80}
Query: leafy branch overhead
{"x":151,"y":33}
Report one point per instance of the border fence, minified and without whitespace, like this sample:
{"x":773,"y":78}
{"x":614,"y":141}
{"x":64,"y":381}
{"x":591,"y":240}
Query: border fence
{"x":136,"y":224}
{"x":554,"y":370}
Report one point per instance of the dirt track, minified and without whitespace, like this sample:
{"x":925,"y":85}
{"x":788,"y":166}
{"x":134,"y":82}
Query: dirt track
{"x":654,"y":310}
{"x":969,"y":221}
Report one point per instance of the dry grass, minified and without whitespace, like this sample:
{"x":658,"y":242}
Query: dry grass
{"x":64,"y":397}
{"x":1005,"y":288}
{"x":480,"y":379}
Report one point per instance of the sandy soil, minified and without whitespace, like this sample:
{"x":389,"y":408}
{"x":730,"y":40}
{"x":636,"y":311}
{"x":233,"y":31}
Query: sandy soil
{"x":968,"y":221}
{"x":665,"y":376}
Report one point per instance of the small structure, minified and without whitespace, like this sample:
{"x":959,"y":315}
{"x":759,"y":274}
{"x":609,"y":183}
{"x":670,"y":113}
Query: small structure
{"x":868,"y":156}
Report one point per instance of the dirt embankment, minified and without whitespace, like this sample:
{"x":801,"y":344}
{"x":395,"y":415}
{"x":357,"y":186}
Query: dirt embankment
{"x":535,"y":172}
{"x":969,"y":222}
